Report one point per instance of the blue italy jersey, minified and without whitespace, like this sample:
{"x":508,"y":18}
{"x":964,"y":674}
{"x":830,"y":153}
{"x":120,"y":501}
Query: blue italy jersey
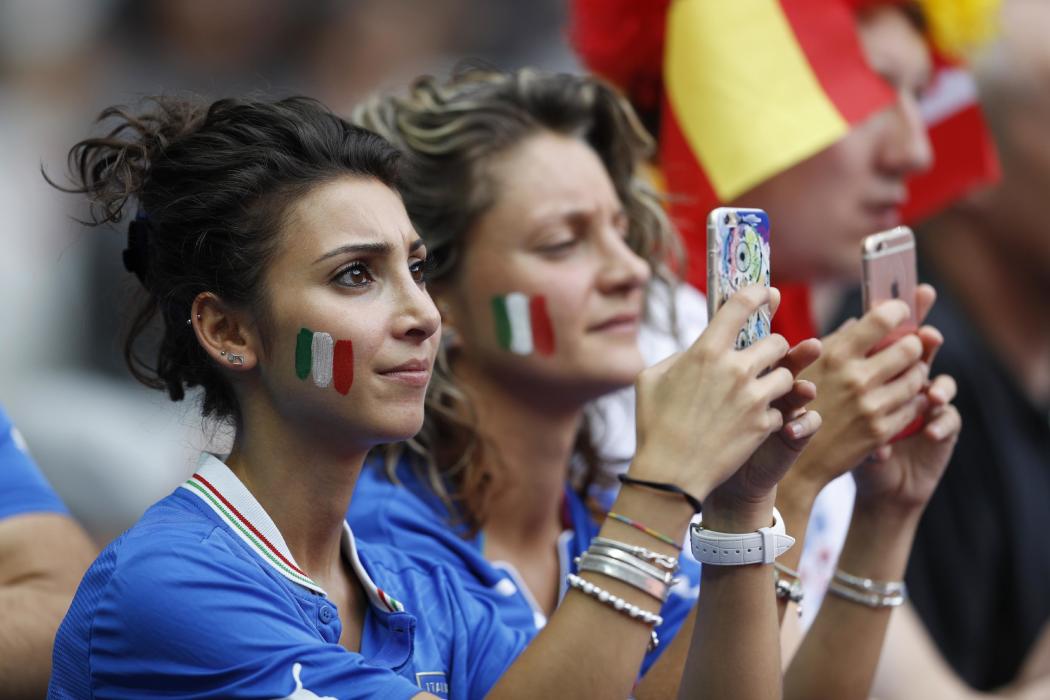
{"x":411,"y":516}
{"x":23,"y":488}
{"x":202,"y":599}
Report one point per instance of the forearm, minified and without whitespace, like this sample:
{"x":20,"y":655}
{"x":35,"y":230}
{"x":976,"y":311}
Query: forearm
{"x":31,"y":614}
{"x":589,"y":649}
{"x":795,"y":499}
{"x":839,"y":655}
{"x":665,"y":676}
{"x":735,"y":651}
{"x":42,"y":558}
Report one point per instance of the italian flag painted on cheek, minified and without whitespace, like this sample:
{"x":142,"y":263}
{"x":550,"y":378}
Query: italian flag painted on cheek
{"x":522,"y":324}
{"x":326,"y":360}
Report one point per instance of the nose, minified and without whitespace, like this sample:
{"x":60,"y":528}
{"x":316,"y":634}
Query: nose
{"x":417,"y":317}
{"x":906,"y":149}
{"x":623,"y":270}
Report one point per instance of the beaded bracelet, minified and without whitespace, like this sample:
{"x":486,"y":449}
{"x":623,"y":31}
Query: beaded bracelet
{"x":642,"y":528}
{"x":619,"y":604}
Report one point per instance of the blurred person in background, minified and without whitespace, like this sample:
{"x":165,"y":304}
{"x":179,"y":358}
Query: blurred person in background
{"x":979,"y":574}
{"x":43,"y":554}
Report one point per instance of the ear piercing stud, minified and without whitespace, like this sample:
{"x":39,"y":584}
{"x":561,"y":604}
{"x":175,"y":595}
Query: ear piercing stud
{"x":234,"y":358}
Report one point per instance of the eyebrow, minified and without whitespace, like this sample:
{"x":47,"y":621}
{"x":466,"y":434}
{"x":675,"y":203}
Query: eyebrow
{"x":575,"y":214}
{"x":371,"y":248}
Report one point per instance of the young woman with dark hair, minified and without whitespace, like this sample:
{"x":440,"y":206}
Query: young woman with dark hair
{"x":275,"y":249}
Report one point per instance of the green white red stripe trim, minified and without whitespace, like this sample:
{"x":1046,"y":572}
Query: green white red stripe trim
{"x":220,"y":489}
{"x":522,"y":324}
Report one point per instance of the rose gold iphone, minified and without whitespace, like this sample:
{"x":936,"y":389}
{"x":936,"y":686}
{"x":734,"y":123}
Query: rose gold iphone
{"x":888,"y":260}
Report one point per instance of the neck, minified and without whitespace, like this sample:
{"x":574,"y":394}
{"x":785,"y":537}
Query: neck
{"x":533,"y":442}
{"x":1003,"y":297}
{"x":303,"y":481}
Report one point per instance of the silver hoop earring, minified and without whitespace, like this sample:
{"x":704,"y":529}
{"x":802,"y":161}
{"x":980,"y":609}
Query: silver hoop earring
{"x":235,"y":359}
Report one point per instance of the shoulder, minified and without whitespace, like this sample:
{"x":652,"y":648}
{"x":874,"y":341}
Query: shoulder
{"x":23,"y":489}
{"x":178,"y":564}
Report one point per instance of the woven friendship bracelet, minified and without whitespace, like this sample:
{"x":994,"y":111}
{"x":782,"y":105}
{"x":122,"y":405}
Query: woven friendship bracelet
{"x":642,"y":528}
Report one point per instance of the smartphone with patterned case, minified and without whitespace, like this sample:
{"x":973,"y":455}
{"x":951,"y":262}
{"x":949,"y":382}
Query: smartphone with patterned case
{"x":737,"y":257}
{"x":888,"y":264}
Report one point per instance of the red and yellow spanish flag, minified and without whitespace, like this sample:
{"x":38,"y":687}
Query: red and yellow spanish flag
{"x":751,"y":88}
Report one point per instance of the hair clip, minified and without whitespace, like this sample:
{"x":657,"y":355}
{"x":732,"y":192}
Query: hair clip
{"x":136,"y":256}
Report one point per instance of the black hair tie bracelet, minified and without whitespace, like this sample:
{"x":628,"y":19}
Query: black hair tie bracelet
{"x":692,"y":500}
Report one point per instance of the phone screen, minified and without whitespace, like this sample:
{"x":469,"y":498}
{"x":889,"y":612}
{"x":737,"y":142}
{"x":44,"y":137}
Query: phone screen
{"x":738,"y":256}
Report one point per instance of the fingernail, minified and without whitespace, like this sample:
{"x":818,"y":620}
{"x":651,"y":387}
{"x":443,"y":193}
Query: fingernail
{"x":936,"y":432}
{"x":938,"y":395}
{"x":794,"y":429}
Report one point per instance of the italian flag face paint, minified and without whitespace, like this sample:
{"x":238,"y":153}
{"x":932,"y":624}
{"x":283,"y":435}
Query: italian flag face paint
{"x":522,"y":324}
{"x":327,"y":361}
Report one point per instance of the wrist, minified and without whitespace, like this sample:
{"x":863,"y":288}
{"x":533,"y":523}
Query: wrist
{"x":886,"y":514}
{"x":732,"y":514}
{"x":647,"y":465}
{"x":877,"y":544}
{"x":798,"y":492}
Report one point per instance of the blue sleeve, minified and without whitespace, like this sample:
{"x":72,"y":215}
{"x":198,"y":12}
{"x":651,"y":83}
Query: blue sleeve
{"x":488,"y":645}
{"x":181,"y":618}
{"x":23,"y":488}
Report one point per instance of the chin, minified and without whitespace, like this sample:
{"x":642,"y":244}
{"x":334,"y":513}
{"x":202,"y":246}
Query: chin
{"x":397,"y":427}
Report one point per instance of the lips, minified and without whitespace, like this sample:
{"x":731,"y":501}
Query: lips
{"x":413,"y":373}
{"x":624,"y":321}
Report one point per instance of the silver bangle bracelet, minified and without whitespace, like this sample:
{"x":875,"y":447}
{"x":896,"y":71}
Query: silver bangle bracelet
{"x":870,"y":599}
{"x":668,"y":562}
{"x":625,"y":574}
{"x":662,"y":575}
{"x":619,"y":604}
{"x":868,"y":585}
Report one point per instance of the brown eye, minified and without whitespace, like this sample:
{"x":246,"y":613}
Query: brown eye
{"x":355,"y":275}
{"x":420,"y":270}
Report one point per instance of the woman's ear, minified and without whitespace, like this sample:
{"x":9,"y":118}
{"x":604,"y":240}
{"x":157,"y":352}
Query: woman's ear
{"x":226,"y":334}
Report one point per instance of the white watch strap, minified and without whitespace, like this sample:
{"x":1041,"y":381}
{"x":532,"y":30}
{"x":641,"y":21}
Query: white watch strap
{"x":738,"y":549}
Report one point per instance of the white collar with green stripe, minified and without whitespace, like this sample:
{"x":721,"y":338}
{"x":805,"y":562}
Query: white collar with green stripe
{"x":220,"y":489}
